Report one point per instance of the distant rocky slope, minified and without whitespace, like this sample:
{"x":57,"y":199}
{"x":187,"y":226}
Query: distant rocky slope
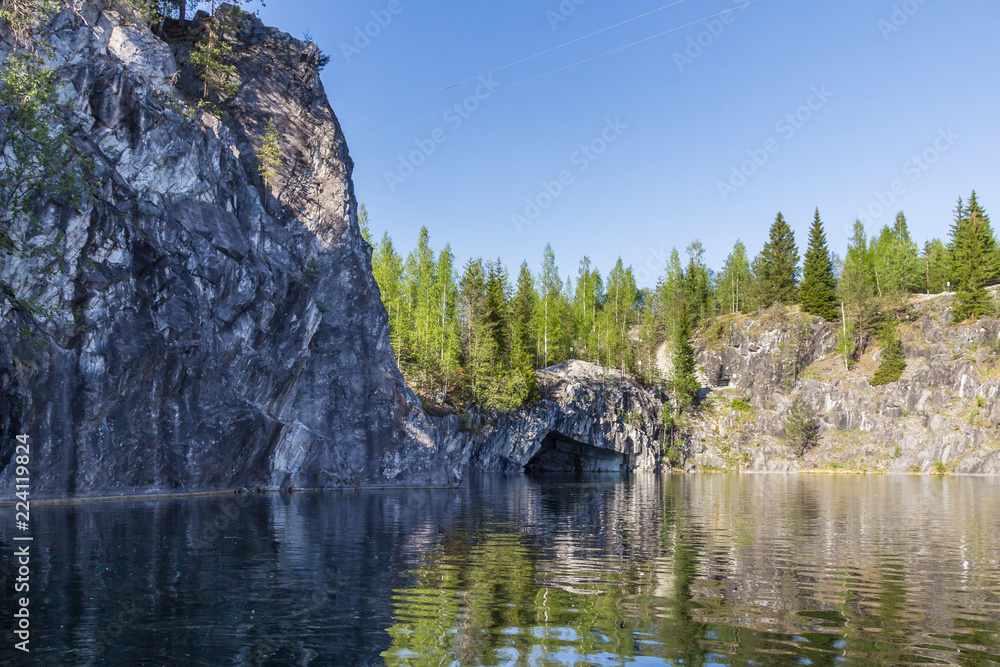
{"x":944,"y":410}
{"x":207,"y":332}
{"x":942,"y":415}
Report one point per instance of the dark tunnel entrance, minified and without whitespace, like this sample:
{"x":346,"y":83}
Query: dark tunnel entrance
{"x":561,"y":454}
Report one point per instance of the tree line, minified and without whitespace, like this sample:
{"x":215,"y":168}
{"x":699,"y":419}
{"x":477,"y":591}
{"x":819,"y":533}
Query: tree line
{"x":475,"y":333}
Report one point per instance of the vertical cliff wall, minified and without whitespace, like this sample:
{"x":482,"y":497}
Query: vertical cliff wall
{"x":202,"y":331}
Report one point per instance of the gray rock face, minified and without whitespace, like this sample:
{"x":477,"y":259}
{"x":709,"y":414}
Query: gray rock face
{"x":589,"y":420}
{"x":205,"y":332}
{"x":945,"y":408}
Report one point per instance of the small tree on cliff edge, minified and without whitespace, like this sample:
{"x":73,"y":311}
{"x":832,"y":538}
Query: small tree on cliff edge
{"x":685,"y":384}
{"x":818,"y":294}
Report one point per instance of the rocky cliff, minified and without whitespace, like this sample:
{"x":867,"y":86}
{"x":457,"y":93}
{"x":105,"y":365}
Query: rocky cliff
{"x":589,"y":420}
{"x":205,"y":331}
{"x":944,"y":412}
{"x":943,"y":415}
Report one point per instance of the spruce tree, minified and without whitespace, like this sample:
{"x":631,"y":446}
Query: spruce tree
{"x":776,"y":269}
{"x":685,"y":384}
{"x":818,"y":295}
{"x":973,"y":252}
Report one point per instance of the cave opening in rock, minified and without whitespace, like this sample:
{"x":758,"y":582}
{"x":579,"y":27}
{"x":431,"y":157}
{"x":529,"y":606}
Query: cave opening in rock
{"x":561,"y":454}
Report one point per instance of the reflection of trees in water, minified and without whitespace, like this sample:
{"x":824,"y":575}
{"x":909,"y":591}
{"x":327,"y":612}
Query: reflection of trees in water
{"x":693,"y":571}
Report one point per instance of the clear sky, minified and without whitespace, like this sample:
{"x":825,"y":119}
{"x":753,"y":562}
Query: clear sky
{"x":788,"y":104}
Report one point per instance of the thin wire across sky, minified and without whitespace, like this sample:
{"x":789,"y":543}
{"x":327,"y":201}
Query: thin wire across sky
{"x":546,"y":74}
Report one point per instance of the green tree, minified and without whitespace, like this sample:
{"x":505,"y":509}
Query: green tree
{"x":776,"y":267}
{"x":896,"y":261}
{"x":683,"y":379}
{"x":734,"y":281}
{"x":39,"y":167}
{"x":618,"y":313}
{"x":974,"y":263}
{"x":801,"y":429}
{"x":672,"y":295}
{"x":697,"y":281}
{"x":818,"y":294}
{"x":210,"y":56}
{"x":269,"y":157}
{"x":856,"y":287}
{"x":548,"y":318}
{"x":937,"y":266}
{"x":892,"y":363}
{"x":387,"y":268}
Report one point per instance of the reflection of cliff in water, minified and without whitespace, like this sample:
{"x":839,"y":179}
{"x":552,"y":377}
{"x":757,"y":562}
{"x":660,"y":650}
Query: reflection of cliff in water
{"x":678,"y":567}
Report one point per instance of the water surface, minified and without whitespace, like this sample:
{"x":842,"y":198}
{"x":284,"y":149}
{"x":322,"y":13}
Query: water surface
{"x":515,"y":570}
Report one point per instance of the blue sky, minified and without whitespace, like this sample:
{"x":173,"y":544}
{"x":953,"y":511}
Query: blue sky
{"x":702,"y":133}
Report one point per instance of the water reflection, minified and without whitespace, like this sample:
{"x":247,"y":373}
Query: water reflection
{"x":600,"y":570}
{"x":710,"y":570}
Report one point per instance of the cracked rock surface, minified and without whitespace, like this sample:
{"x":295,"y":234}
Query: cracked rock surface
{"x":205,"y":332}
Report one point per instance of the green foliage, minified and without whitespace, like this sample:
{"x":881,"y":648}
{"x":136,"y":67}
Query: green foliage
{"x":892,"y":364}
{"x":741,"y":405}
{"x":269,"y":154}
{"x":897,"y":451}
{"x":936,"y":266}
{"x":40,"y":167}
{"x":734,"y":281}
{"x":24,"y":16}
{"x":801,"y":429}
{"x":685,"y":385}
{"x":975,"y":260}
{"x":896,"y":261}
{"x":776,"y":267}
{"x":939,"y":468}
{"x":817,"y":294}
{"x":209,"y":57}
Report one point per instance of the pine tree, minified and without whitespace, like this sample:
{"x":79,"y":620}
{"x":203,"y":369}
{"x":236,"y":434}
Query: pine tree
{"x":776,"y":267}
{"x":697,"y":282}
{"x":209,"y":58}
{"x":683,"y":380}
{"x":818,"y":295}
{"x":269,"y":157}
{"x":974,"y":263}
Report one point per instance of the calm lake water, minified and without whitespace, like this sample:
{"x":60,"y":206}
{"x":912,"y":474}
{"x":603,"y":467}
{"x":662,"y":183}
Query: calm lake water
{"x":514,"y":570}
